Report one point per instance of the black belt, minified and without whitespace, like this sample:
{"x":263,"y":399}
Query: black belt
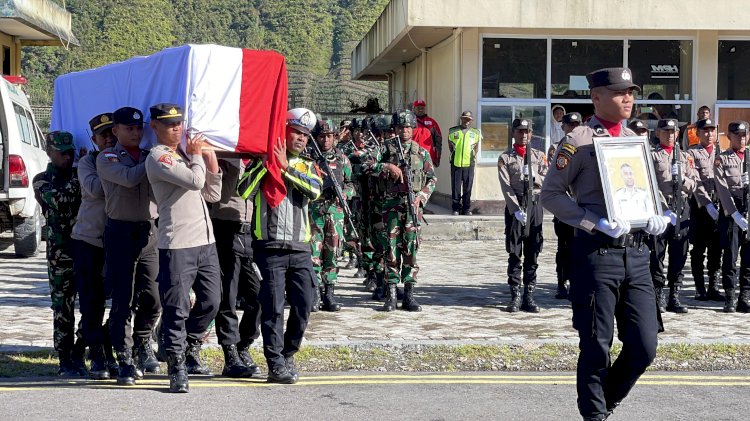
{"x":634,"y":239}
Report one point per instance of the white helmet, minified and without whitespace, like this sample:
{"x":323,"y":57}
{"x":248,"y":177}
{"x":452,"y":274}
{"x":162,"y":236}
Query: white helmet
{"x":302,"y":119}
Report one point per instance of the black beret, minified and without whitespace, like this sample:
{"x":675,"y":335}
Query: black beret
{"x":705,"y":123}
{"x":667,"y":124}
{"x":128,"y":116}
{"x":612,"y":78}
{"x":521,"y":124}
{"x":571,"y":118}
{"x":738,"y":126}
{"x":636,"y":125}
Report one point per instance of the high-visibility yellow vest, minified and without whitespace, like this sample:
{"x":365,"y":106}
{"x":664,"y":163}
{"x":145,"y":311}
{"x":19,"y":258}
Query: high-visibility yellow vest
{"x":463,"y":145}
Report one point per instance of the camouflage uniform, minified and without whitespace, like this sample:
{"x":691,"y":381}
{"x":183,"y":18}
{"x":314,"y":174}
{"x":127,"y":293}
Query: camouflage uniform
{"x":59,"y":194}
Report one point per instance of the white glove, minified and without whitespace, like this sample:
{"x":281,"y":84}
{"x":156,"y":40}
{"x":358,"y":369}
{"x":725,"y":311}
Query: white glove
{"x":521,"y":216}
{"x":657,"y":224}
{"x":745,"y":179}
{"x":740,"y":221}
{"x":672,"y":216}
{"x":525,"y":170}
{"x":617,"y":228}
{"x":675,"y":169}
{"x":712,"y":212}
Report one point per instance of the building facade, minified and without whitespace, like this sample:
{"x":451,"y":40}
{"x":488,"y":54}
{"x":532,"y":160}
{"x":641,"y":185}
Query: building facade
{"x":506,"y":59}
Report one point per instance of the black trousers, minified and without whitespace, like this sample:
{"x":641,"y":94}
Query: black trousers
{"x":180,"y":270}
{"x":704,"y":236}
{"x":523,"y":252}
{"x":462,"y":180}
{"x":735,"y":244}
{"x":291,"y":272}
{"x":678,"y":250}
{"x":611,"y":284}
{"x":131,"y":268}
{"x":234,"y":247}
{"x":564,"y":233}
{"x":88,"y":265}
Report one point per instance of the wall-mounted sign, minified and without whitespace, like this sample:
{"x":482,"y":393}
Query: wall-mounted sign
{"x":665,"y":71}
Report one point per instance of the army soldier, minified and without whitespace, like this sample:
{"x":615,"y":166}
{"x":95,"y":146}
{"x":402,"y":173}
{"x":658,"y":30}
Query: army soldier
{"x":704,"y":213}
{"x":187,"y":253}
{"x":512,"y":171}
{"x":281,"y":246}
{"x":563,"y":231}
{"x":610,"y":279}
{"x":401,"y":218}
{"x":59,"y":195}
{"x":88,"y":251}
{"x":327,"y":215}
{"x":731,"y":184}
{"x":676,"y":237}
{"x":131,"y":263}
{"x":358,"y":151}
{"x":376,"y":227}
{"x":463,"y":141}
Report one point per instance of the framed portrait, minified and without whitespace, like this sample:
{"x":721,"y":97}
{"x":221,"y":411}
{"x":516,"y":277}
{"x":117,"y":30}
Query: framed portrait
{"x":628,"y":179}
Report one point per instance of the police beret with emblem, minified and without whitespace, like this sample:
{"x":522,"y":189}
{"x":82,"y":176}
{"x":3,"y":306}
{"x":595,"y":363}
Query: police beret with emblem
{"x":612,"y":78}
{"x":705,"y":123}
{"x":667,"y":124}
{"x":521,"y":124}
{"x":128,"y":116}
{"x":405,"y":119}
{"x":101,"y":122}
{"x":738,"y":126}
{"x":637,"y":125}
{"x":60,"y":141}
{"x":301,"y":119}
{"x":167,"y":113}
{"x":571,"y":118}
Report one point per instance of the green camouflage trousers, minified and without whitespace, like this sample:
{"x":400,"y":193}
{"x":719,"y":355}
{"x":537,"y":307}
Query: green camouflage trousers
{"x":378,"y":236}
{"x":327,"y":232}
{"x":403,"y":243}
{"x":63,"y":294}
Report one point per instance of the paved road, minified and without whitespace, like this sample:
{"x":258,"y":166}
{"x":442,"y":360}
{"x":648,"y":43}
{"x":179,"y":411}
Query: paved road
{"x":344,"y":396}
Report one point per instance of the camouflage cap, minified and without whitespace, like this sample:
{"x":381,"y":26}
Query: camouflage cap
{"x":323,"y":126}
{"x":60,"y":141}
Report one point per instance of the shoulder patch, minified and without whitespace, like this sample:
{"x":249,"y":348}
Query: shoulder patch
{"x":111,"y":157}
{"x":564,"y":155}
{"x":166,"y":159}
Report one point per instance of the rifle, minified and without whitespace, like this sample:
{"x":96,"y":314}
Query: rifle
{"x":337,"y":189}
{"x":679,"y":203}
{"x":746,"y":189}
{"x":528,"y":189}
{"x":406,"y":167}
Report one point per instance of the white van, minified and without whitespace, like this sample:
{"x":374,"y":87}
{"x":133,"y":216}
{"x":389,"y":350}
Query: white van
{"x":23,"y":157}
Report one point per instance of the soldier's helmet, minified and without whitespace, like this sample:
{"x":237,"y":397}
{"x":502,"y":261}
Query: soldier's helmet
{"x":301,"y":119}
{"x":354,"y":125}
{"x":404,"y":119}
{"x":383,"y":122}
{"x":324,"y":126}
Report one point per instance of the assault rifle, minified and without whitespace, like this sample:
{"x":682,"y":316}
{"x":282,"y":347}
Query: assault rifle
{"x":336,"y":188}
{"x":528,"y":190}
{"x":679,"y":203}
{"x":405,"y":165}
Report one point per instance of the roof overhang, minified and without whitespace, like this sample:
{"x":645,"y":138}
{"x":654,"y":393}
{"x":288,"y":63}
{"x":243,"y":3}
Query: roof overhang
{"x":36,"y":22}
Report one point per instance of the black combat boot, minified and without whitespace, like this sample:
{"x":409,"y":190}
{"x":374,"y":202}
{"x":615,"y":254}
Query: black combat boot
{"x":292,"y":367}
{"x":352,"y":263}
{"x":112,"y":366}
{"x":233,"y":365}
{"x":126,"y":375}
{"x":713,"y":293}
{"x":730,"y":303}
{"x":281,"y":374}
{"x":528,"y":304}
{"x":243,"y":350}
{"x":329,"y":300}
{"x":660,"y":299}
{"x":78,"y":356}
{"x":700,"y":288}
{"x":379,"y":293}
{"x":371,"y":281}
{"x":409,"y":303}
{"x":315,"y":299}
{"x":674,"y":301}
{"x":193,"y":360}
{"x":743,"y":305}
{"x":178,"y":378}
{"x":562,"y":290}
{"x":145,"y":360}
{"x":515,"y":299}
{"x":390,"y":298}
{"x":99,"y":369}
{"x":66,"y":367}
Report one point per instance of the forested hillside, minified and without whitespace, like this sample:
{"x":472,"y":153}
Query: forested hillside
{"x":316,"y":36}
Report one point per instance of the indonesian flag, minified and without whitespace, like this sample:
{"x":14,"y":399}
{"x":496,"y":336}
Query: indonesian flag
{"x":236,"y":97}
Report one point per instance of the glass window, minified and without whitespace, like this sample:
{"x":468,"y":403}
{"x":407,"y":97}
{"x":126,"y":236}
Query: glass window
{"x":32,"y":129}
{"x":23,"y":125}
{"x":734,"y":60}
{"x":663,"y":68}
{"x":652,"y":113}
{"x":514,"y":68}
{"x":496,"y":123}
{"x":573,"y":59}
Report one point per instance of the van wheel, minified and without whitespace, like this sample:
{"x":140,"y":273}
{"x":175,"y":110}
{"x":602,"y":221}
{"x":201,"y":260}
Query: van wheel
{"x":27,"y":235}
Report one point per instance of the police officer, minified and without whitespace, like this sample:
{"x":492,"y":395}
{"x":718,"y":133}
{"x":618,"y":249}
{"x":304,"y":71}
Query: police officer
{"x":58,"y":193}
{"x":704,"y":213}
{"x":88,"y":250}
{"x":563,"y":231}
{"x":401,"y":217}
{"x":521,"y":208}
{"x":231,"y":217}
{"x":281,"y":246}
{"x":131,"y":262}
{"x":182,"y":184}
{"x":463,"y":141}
{"x":610,"y":279}
{"x":675,"y":237}
{"x":732,"y":184}
{"x":638,"y":127}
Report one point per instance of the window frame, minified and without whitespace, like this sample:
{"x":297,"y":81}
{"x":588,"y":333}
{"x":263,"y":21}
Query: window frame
{"x":728,"y":103}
